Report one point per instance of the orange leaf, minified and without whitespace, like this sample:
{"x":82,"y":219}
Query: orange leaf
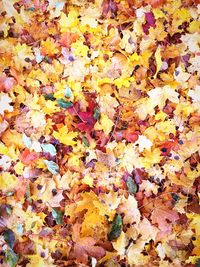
{"x":27,"y":157}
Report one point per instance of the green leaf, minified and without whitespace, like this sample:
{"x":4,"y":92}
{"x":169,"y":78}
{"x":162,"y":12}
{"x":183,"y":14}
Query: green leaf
{"x":49,"y":148}
{"x":68,"y":92}
{"x":9,"y":237}
{"x":64,"y":104}
{"x":58,"y":216}
{"x":19,"y":229}
{"x":31,"y":9}
{"x":52,"y":166}
{"x":8,"y":210}
{"x":96,"y":114}
{"x":132,"y":187}
{"x":175,"y":197}
{"x":49,"y":97}
{"x":116,"y":228}
{"x":85,"y":141}
{"x":11,"y":258}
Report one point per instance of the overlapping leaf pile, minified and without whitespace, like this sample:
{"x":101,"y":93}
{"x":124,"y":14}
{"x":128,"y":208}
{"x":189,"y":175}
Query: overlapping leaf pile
{"x":100,"y":133}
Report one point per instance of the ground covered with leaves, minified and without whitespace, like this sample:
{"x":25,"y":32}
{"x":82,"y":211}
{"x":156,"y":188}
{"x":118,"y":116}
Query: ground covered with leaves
{"x":100,"y":133}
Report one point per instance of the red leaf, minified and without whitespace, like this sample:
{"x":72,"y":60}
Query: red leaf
{"x":87,"y":118}
{"x":27,"y":157}
{"x":156,"y":3}
{"x":130,"y":135}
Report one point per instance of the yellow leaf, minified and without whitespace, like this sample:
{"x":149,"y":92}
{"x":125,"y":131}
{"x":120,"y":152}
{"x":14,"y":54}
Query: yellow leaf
{"x":88,"y":180}
{"x":80,"y":49}
{"x":49,"y":47}
{"x":194,"y":26}
{"x":120,"y":244}
{"x":50,"y":107}
{"x":68,"y":21}
{"x":74,"y":161}
{"x":65,"y":137}
{"x":12,"y":137}
{"x":36,"y":261}
{"x":19,"y":168}
{"x":105,"y":124}
{"x":3,"y":149}
{"x":158,"y":61}
{"x":122,"y":81}
{"x":7,"y":181}
{"x":134,"y":57}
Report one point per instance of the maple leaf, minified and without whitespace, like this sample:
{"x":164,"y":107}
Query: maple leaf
{"x":85,"y":247}
{"x":65,"y":137}
{"x":129,"y":206}
{"x":27,"y":157}
{"x":161,"y":215}
{"x":68,"y":38}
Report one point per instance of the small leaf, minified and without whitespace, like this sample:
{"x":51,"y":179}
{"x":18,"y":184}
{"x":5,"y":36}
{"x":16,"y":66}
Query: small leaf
{"x":9,"y":193}
{"x":58,"y":216}
{"x":28,"y":193}
{"x":175,"y":197}
{"x":49,"y":148}
{"x":11,"y":258}
{"x":52,"y":166}
{"x":26,"y":140}
{"x":31,"y":9}
{"x":68,"y":92}
{"x":132,"y":187}
{"x":116,"y":228}
{"x":8,"y":210}
{"x":9,"y":237}
{"x":96,"y":114}
{"x":49,"y":97}
{"x":85,"y":141}
{"x":19,"y":229}
{"x":64,"y":104}
{"x":47,"y":59}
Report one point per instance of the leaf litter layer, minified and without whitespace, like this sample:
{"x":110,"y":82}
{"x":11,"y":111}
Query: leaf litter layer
{"x":100,"y":135}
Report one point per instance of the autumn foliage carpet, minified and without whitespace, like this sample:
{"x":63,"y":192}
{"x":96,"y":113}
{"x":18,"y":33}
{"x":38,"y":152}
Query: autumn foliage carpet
{"x":100,"y":133}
